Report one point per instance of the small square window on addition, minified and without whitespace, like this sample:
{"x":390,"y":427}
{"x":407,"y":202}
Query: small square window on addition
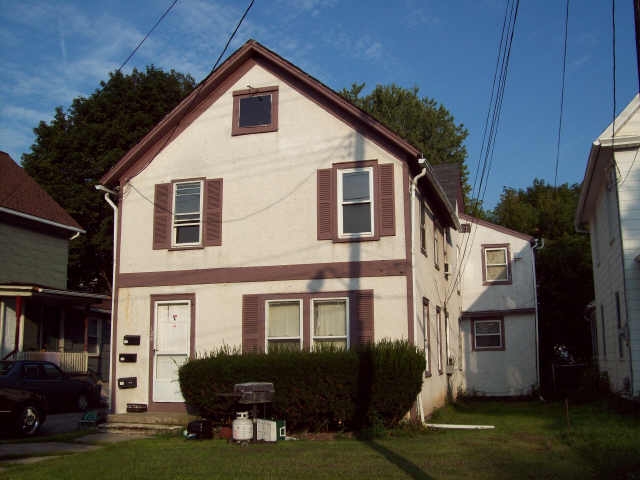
{"x":255,"y":111}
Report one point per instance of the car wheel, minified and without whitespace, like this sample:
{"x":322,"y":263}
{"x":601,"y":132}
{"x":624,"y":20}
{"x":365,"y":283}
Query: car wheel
{"x":82,"y":402}
{"x":29,"y":420}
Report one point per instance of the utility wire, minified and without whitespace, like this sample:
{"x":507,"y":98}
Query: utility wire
{"x":147,"y":35}
{"x":564,"y":69}
{"x":215,"y":65}
{"x":491,"y":126}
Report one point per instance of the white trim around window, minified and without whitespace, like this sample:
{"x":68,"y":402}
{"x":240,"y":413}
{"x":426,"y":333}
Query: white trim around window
{"x":355,"y":202}
{"x":330,"y":331}
{"x":284,"y":333}
{"x":186,"y":221}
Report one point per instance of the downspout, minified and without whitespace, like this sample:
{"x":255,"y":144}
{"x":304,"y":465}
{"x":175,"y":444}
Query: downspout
{"x":536,"y":246}
{"x":414,"y":183}
{"x":114,"y":207}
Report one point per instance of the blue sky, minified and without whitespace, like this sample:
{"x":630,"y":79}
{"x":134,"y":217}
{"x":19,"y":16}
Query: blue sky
{"x":54,"y":51}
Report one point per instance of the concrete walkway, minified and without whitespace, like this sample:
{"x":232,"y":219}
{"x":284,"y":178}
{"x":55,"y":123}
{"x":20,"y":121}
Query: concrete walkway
{"x":31,"y":452}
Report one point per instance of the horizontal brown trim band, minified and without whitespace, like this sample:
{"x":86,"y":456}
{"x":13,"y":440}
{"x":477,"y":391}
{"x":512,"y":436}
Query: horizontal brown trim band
{"x":498,"y":313}
{"x":272,"y":273}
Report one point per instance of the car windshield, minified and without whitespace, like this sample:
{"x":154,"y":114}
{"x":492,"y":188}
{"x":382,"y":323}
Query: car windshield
{"x":5,"y":368}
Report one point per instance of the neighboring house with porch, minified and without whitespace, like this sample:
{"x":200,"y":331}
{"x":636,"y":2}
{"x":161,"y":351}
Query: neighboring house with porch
{"x":39,"y":317}
{"x":609,"y":210}
{"x":265,"y":210}
{"x":499,"y":318}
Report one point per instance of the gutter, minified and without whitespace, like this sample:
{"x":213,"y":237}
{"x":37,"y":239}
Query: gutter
{"x":414,"y":184}
{"x":114,"y":207}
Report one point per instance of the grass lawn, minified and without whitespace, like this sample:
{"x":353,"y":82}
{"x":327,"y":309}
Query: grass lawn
{"x":531,"y":440}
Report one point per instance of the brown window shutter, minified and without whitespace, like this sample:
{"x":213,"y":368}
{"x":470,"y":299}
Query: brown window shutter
{"x":387,"y":208}
{"x":325,"y":205}
{"x":162,"y":216}
{"x":213,"y":213}
{"x":361,"y":317}
{"x":252,"y":324}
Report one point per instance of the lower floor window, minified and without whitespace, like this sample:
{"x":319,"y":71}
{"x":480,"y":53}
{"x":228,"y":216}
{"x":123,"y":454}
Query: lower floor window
{"x":488,"y":334}
{"x":284,"y":325}
{"x":330,"y":323}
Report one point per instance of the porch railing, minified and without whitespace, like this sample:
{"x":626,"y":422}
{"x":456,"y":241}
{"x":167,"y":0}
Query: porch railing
{"x":70,"y":362}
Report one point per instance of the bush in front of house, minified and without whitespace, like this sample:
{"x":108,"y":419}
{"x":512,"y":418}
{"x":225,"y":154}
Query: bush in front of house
{"x":316,"y":391}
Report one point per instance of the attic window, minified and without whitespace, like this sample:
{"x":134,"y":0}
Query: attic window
{"x":255,"y":111}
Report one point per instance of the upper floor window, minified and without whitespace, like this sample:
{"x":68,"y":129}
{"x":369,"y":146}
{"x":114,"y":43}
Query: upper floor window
{"x":495,"y":261}
{"x":284,"y":325}
{"x":255,"y":111}
{"x":437,"y":240}
{"x":356,"y":201}
{"x":187,"y":213}
{"x":355,"y":197}
{"x":331,"y":323}
{"x":423,"y":228}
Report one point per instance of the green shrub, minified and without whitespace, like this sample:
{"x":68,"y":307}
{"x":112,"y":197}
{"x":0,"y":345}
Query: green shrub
{"x":320,"y":390}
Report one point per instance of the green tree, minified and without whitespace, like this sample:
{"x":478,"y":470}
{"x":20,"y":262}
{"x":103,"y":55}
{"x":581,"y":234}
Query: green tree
{"x":78,"y":146}
{"x":421,"y":121}
{"x":563,"y":265}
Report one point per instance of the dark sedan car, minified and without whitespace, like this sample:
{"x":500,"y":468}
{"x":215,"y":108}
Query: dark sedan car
{"x":21,"y":411}
{"x":61,"y":391}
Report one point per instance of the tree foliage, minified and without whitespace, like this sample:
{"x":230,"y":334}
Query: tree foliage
{"x":78,"y":146}
{"x":563,"y":266}
{"x":421,"y":121}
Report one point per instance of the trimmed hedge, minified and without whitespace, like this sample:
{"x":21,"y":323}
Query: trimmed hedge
{"x":316,"y":391}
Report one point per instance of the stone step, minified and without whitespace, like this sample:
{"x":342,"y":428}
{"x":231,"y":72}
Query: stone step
{"x":140,"y":428}
{"x":149,"y":418}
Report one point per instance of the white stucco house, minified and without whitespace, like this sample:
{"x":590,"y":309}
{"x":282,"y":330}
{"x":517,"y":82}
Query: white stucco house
{"x":267,"y":210}
{"x":499,"y":317}
{"x":609,"y":210}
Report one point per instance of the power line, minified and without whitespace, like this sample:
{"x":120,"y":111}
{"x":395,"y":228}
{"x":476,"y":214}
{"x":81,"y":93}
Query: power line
{"x":491,"y":125}
{"x":147,"y":35}
{"x":233,"y":34}
{"x":564,"y":69}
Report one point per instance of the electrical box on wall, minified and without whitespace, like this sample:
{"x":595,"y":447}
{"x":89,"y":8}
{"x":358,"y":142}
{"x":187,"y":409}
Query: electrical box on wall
{"x":128,"y":357}
{"x":128,"y":382}
{"x":131,"y":340}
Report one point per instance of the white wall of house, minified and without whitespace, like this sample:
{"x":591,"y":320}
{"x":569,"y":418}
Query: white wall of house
{"x":510,"y":372}
{"x":628,"y":181}
{"x":269,"y":187}
{"x":218,"y":316}
{"x":441,"y":292}
{"x":608,"y":280}
{"x":513,"y":370}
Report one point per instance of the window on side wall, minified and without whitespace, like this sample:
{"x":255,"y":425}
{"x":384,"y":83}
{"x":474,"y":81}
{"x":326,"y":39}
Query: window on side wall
{"x":439,"y":338}
{"x":187,"y":213}
{"x":488,"y":334}
{"x":355,"y":203}
{"x":255,"y":111}
{"x":284,"y":325}
{"x":331,"y":323}
{"x":427,"y":335}
{"x":437,"y":234}
{"x":495,"y":261}
{"x":423,"y":228}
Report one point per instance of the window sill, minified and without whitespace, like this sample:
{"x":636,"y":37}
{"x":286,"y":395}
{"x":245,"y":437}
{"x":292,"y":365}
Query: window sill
{"x":370,"y":238}
{"x":188,"y":247}
{"x":500,"y":282}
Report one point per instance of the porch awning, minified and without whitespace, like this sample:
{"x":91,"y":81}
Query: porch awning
{"x":18,"y":290}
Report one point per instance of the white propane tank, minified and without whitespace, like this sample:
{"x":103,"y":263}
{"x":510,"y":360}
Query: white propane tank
{"x":242,"y":427}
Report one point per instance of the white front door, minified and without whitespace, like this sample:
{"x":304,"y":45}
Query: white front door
{"x":171,"y":348}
